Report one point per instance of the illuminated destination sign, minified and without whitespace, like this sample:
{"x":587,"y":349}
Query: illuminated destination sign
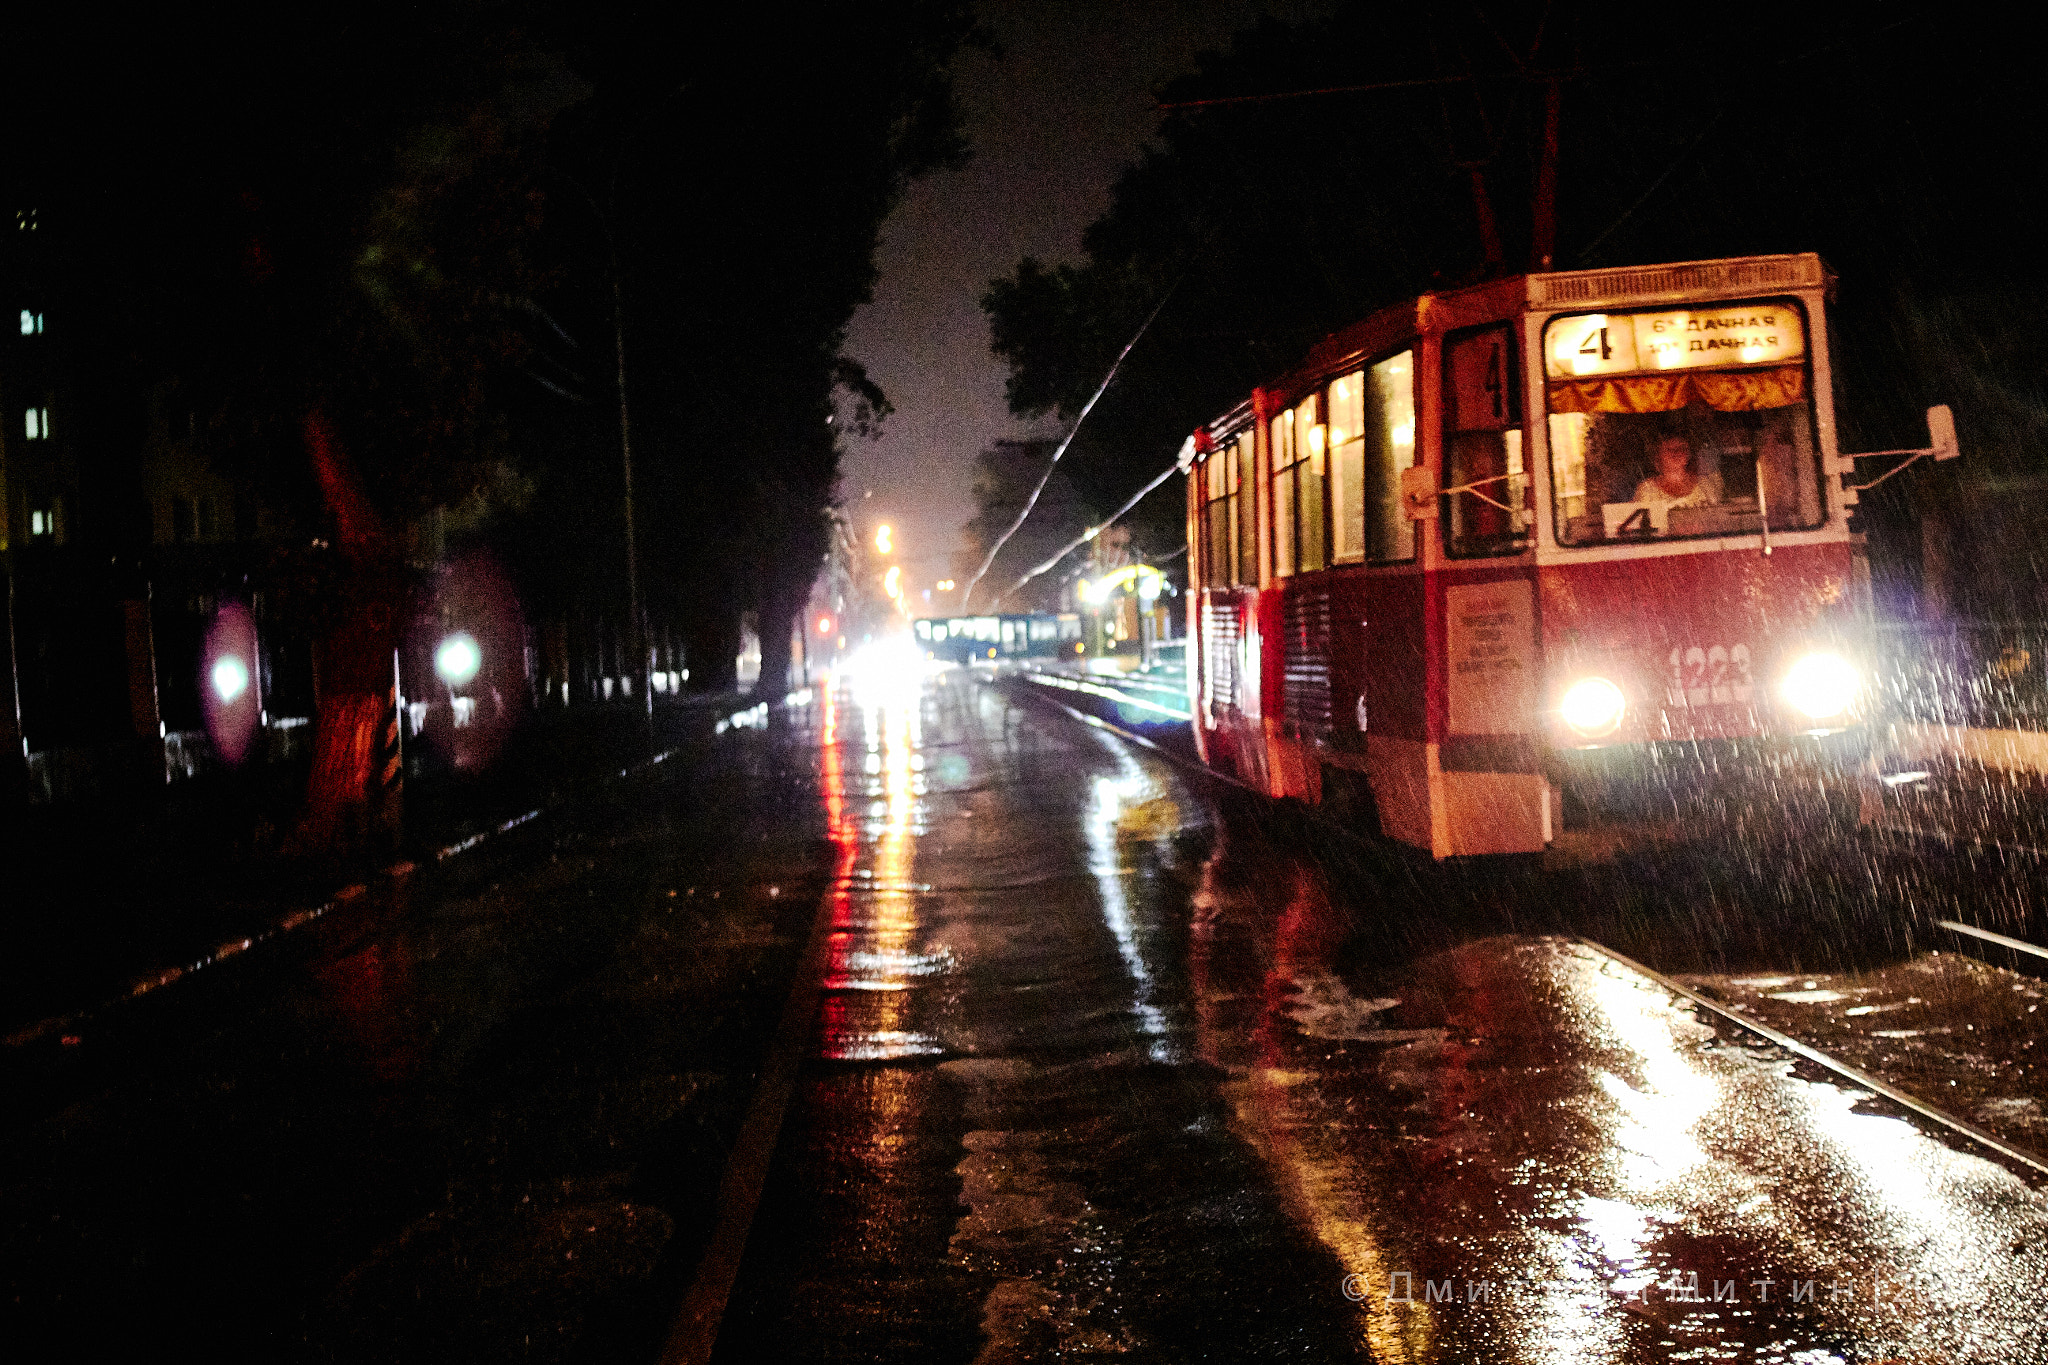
{"x":1630,"y":343}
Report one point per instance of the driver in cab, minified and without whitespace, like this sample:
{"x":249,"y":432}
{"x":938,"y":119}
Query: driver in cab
{"x":1677,"y":483}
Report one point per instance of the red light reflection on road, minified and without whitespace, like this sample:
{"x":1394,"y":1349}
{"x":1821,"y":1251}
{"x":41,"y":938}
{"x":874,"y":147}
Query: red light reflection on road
{"x":864,"y":1016}
{"x":371,"y":991}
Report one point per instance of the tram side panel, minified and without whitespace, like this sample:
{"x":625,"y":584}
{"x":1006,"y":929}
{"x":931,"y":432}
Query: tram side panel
{"x":1488,"y":759}
{"x":1226,"y":704}
{"x":1379,"y":687}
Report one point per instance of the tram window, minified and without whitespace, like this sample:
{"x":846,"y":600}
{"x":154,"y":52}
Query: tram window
{"x":1219,"y":544}
{"x":1337,"y":462}
{"x":1483,"y":448}
{"x":1346,"y":406}
{"x":1311,"y":437}
{"x":1236,"y":472}
{"x":1282,"y":448}
{"x":1389,"y":448}
{"x":1687,"y":423}
{"x":1247,"y":519}
{"x":1224,"y":507}
{"x":1215,"y":512}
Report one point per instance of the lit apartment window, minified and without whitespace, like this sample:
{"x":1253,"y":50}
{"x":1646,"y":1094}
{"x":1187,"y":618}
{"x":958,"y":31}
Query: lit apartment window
{"x":31,"y":322}
{"x":24,"y":220}
{"x":42,"y":523}
{"x":38,"y":424}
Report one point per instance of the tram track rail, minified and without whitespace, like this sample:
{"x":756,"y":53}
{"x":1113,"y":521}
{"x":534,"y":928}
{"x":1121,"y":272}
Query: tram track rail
{"x":2034,"y":1163}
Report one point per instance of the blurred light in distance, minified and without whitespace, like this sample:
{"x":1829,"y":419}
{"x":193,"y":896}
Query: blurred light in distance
{"x":882,"y":541}
{"x":886,"y":671}
{"x":892,"y":582}
{"x":457,"y":658}
{"x":230,"y":677}
{"x":1593,"y":707}
{"x":824,"y":625}
{"x":1822,"y":685}
{"x":1147,"y":580}
{"x":227,"y":691}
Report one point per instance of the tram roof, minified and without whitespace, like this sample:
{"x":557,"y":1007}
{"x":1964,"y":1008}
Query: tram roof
{"x":1496,"y":300}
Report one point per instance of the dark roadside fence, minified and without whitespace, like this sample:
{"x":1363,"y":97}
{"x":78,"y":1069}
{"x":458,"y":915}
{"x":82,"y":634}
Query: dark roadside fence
{"x":149,"y":876}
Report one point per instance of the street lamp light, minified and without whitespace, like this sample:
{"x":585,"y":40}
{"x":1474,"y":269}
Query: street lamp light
{"x":457,"y":658}
{"x":230,"y":677}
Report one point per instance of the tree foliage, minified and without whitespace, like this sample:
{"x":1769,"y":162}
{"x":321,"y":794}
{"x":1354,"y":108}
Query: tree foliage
{"x":412,"y":219}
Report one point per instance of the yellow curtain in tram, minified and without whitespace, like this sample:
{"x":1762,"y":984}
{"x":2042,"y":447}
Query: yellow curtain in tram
{"x":1722,"y":390}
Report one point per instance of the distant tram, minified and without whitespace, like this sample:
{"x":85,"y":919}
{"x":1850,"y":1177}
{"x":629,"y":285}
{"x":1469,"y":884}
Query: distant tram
{"x":1485,"y":531}
{"x":964,"y":639}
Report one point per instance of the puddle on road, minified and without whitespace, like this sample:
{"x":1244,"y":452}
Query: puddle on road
{"x":1324,"y":1007}
{"x":1053,"y":1261}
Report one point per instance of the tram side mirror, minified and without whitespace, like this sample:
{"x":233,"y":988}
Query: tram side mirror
{"x":1418,"y":493}
{"x":1941,"y":428}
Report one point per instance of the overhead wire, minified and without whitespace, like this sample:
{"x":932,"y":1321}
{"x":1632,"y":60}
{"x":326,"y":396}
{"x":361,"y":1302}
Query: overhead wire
{"x":1078,"y":541}
{"x":1045,"y":478}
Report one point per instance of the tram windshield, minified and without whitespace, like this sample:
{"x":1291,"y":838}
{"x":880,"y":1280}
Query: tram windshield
{"x":1681,"y":423}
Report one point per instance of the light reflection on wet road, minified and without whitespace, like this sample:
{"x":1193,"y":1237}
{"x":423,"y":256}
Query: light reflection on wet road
{"x":1101,"y":1072}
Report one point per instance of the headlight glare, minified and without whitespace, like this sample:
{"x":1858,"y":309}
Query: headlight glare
{"x":1593,"y":707}
{"x":1822,"y":685}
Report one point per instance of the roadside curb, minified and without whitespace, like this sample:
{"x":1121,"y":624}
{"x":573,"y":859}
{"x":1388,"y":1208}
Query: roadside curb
{"x":693,"y":1333}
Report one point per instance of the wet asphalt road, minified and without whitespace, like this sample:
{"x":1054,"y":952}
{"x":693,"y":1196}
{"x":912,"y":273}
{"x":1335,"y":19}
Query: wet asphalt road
{"x":1104,"y":1070}
{"x":1109,"y":1062}
{"x":476,"y":1115}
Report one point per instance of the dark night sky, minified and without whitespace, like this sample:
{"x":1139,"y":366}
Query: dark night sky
{"x":1052,"y":122}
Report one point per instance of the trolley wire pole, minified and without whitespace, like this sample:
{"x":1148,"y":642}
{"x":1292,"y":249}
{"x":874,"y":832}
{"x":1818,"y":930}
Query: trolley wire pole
{"x":638,"y":642}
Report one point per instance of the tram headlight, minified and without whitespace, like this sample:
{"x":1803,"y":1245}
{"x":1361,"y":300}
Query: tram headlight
{"x":1822,"y":685}
{"x":1593,"y":707}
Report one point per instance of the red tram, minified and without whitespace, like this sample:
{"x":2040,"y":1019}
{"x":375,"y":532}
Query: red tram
{"x":1486,"y":530}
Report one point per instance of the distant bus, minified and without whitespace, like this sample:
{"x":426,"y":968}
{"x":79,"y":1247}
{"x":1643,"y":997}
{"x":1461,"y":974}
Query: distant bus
{"x":963,"y":639}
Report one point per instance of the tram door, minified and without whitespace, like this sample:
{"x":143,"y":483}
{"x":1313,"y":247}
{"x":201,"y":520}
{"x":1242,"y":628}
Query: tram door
{"x":1493,"y":796}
